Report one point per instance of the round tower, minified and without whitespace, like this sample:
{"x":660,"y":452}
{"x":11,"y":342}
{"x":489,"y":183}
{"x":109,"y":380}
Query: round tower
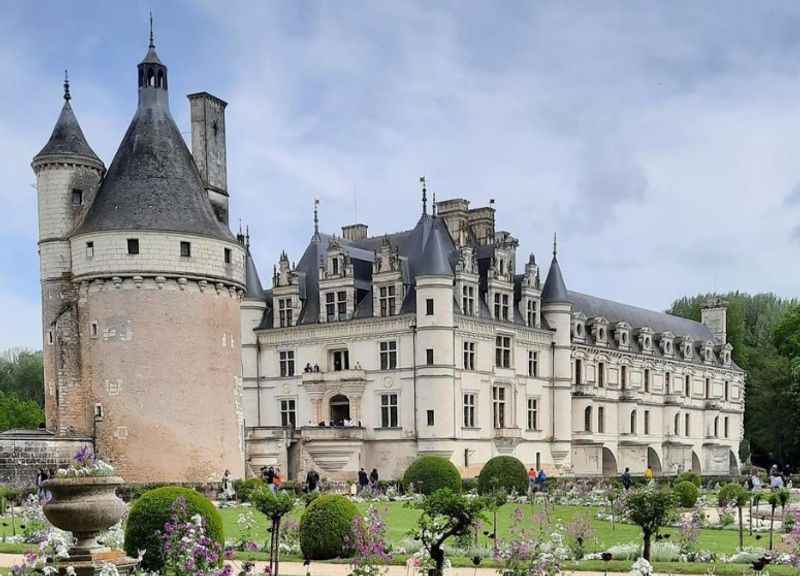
{"x":159,"y":280}
{"x":67,"y":174}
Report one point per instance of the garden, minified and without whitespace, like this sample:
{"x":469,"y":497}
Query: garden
{"x":432,"y":520}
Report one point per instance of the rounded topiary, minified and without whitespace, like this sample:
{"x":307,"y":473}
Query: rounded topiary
{"x":503,"y":473}
{"x":153,"y":509}
{"x":245,"y":488}
{"x":686,"y":493}
{"x":692,"y":477}
{"x":325,"y":527}
{"x":428,"y":474}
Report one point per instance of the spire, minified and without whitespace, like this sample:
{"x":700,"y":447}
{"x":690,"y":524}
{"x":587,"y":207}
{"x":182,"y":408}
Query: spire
{"x":67,"y":96}
{"x":434,"y":202}
{"x":424,"y":195}
{"x":555,"y":246}
{"x":152,"y":39}
{"x":555,"y":290}
{"x":316,"y":217}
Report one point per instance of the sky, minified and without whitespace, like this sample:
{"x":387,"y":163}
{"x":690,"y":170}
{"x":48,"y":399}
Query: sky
{"x":661,"y":141}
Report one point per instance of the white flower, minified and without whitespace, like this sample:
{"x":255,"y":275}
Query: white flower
{"x":197,"y":519}
{"x":641,"y":568}
{"x":70,"y":570}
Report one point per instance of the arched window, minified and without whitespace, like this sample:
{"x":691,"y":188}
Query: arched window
{"x":725,"y":427}
{"x":160,"y":82}
{"x":633,"y":422}
{"x":716,"y":427}
{"x":677,"y":424}
{"x":587,"y":419}
{"x":151,"y":78}
{"x":686,"y":429}
{"x":340,"y":410}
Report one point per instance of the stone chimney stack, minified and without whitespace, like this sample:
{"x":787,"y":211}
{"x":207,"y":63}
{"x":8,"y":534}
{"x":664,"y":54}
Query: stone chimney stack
{"x":714,"y":314}
{"x":208,"y":148}
{"x":354,"y":232}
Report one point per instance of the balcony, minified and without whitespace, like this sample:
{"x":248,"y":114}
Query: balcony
{"x":713,"y":405}
{"x":508,"y":433}
{"x":674,"y":399}
{"x":354,"y":375}
{"x":630,"y":395}
{"x":584,"y":389}
{"x":326,"y":433}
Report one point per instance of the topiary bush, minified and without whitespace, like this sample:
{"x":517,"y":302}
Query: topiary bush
{"x":503,"y":473}
{"x":692,"y":477}
{"x":244,"y":488}
{"x":325,"y":526}
{"x":686,"y":493}
{"x":153,"y":509}
{"x":430,"y":473}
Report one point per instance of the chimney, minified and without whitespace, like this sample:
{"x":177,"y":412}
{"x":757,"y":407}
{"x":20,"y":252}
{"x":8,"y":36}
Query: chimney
{"x":208,"y":148}
{"x":354,"y":232}
{"x":714,"y":314}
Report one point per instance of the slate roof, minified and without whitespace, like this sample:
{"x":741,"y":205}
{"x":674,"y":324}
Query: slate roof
{"x":554,"y":288}
{"x":67,"y":138}
{"x":253,"y":288}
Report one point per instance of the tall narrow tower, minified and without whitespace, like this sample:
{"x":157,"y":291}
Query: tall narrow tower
{"x":208,"y":148}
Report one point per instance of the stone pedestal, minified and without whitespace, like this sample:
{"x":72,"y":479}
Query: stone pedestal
{"x":92,"y":563}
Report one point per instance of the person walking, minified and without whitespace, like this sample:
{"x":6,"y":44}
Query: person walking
{"x":540,"y":480}
{"x":363,"y":480}
{"x":312,"y":481}
{"x":532,"y":479}
{"x":228,"y":493}
{"x":373,"y":479}
{"x":649,"y":475}
{"x":277,"y":480}
{"x":626,"y":479}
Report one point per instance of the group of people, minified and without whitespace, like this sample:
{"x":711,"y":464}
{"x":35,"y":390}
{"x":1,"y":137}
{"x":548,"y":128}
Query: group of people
{"x":271,"y":475}
{"x":536,"y":479}
{"x":367,"y":481}
{"x":777,"y":479}
{"x":627,"y":480}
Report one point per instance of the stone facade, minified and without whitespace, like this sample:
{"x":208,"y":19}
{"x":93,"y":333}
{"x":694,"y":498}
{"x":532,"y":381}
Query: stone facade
{"x":24,"y":453}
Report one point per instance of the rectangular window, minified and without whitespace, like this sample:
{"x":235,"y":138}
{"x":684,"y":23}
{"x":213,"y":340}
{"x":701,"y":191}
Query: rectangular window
{"x":98,"y":411}
{"x":430,"y":417}
{"x":497,"y":305}
{"x":502,"y":351}
{"x":725,"y":427}
{"x":469,"y":410}
{"x":687,"y":388}
{"x":77,"y":197}
{"x":50,"y":337}
{"x":387,"y":299}
{"x":601,"y":420}
{"x":288,"y":414}
{"x":538,"y":460}
{"x":601,"y":374}
{"x":90,"y":249}
{"x":285,"y":312}
{"x":647,"y":380}
{"x":388,"y":355}
{"x":499,"y":406}
{"x":727,"y":391}
{"x":531,"y":312}
{"x":93,"y":329}
{"x":429,"y":356}
{"x":623,"y":377}
{"x":186,"y":249}
{"x":227,"y":254}
{"x":533,"y":414}
{"x":469,"y":355}
{"x":133,"y":246}
{"x":341,"y":304}
{"x":578,"y":371}
{"x":647,"y":421}
{"x":389,"y":411}
{"x":667,"y":383}
{"x":287,"y":363}
{"x":341,"y":360}
{"x":708,"y":388}
{"x":429,"y":306}
{"x":330,"y":306}
{"x":335,"y":266}
{"x":501,"y":306}
{"x":468,"y":300}
{"x":533,"y":363}
{"x":687,"y":431}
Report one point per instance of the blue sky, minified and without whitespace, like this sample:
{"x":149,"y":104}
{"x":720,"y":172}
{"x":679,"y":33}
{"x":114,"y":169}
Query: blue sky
{"x":661,"y":140}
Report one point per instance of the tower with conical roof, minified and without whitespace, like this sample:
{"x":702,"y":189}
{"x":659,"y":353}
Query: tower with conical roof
{"x":142,"y":284}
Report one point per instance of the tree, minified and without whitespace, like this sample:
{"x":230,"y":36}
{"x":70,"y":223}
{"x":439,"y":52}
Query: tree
{"x":445,"y":514}
{"x":18,"y":413}
{"x":21,"y":373}
{"x":733,"y":494}
{"x":773,"y":501}
{"x":274,"y":507}
{"x":649,"y":508}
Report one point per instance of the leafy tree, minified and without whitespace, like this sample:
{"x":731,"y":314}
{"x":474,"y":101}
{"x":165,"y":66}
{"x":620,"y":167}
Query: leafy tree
{"x":274,"y":507}
{"x":445,"y":514}
{"x":650,"y":509}
{"x":773,"y":501}
{"x":18,"y":413}
{"x":733,"y":494}
{"x":21,"y":373}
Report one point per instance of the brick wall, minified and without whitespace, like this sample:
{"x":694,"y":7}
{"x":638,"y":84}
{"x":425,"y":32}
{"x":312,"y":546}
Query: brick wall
{"x":22,"y":454}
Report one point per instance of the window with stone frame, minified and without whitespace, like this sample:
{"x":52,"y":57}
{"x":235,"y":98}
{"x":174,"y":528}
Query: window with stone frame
{"x":468,"y":300}
{"x":501,"y":306}
{"x":429,"y":306}
{"x":389,"y":417}
{"x":341,"y":304}
{"x":633,"y":421}
{"x":469,"y":410}
{"x":533,"y":414}
{"x":601,"y":419}
{"x":186,"y":249}
{"x":687,"y":386}
{"x":647,"y":380}
{"x":340,"y":360}
{"x":284,"y":312}
{"x":429,"y":356}
{"x":677,"y":424}
{"x":726,"y":391}
{"x":469,"y":355}
{"x":725,"y":428}
{"x":601,"y":374}
{"x":288,"y":414}
{"x":531,"y":312}
{"x":587,"y":419}
{"x":430,"y":417}
{"x":227,"y":255}
{"x":716,"y":427}
{"x":578,"y":371}
{"x":687,"y":431}
{"x":667,"y":382}
{"x":388,"y":354}
{"x":335,"y":266}
{"x":647,"y":421}
{"x":533,"y":363}
{"x":623,"y":377}
{"x":387,"y":298}
{"x":90,"y":249}
{"x":133,"y":246}
{"x":503,"y":351}
{"x":77,"y":197}
{"x":330,"y":306}
{"x":708,"y":388}
{"x":499,"y":406}
{"x":286,"y":361}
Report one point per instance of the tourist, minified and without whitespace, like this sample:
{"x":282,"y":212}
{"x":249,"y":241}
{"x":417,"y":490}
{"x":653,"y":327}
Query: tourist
{"x":776,"y":482}
{"x":754,"y":482}
{"x":228,"y":492}
{"x":269,"y":478}
{"x":373,"y":479}
{"x":648,"y":475}
{"x":316,"y":367}
{"x":363,"y":480}
{"x":277,"y":481}
{"x":308,"y":368}
{"x":540,"y":480}
{"x":312,"y":481}
{"x":532,"y":479}
{"x":626,"y":479}
{"x":41,"y":476}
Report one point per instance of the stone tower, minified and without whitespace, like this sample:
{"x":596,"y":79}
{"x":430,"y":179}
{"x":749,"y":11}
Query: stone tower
{"x":143,"y":289}
{"x":208,"y":148}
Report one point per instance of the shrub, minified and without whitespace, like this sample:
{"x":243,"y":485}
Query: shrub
{"x":244,"y":488}
{"x":153,"y":509}
{"x":469,"y":484}
{"x":430,"y":473}
{"x":686,"y":493}
{"x":692,"y":477}
{"x":503,"y":473}
{"x":325,"y":527}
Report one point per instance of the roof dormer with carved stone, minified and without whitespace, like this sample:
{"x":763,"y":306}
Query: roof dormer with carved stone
{"x":467,"y":279}
{"x":285,"y":294}
{"x":387,"y":280}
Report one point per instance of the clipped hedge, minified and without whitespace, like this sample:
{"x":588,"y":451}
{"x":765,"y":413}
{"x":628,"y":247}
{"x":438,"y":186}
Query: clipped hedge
{"x":153,"y":509}
{"x":503,"y":473}
{"x":430,"y":473}
{"x":692,"y":477}
{"x":245,"y":488}
{"x":686,"y":493}
{"x":325,"y":526}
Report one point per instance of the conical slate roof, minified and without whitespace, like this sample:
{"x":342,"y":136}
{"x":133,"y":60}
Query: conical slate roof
{"x":253,"y":288}
{"x":67,"y":138}
{"x":554,"y":288}
{"x":435,"y":260}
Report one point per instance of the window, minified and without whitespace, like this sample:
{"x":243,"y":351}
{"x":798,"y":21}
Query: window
{"x":499,"y":406}
{"x":531,"y":313}
{"x":623,"y":377}
{"x":77,"y":197}
{"x":90,"y":249}
{"x":503,"y":351}
{"x":725,"y":427}
{"x":647,"y":380}
{"x":336,"y":305}
{"x":133,"y":246}
{"x":468,"y":300}
{"x":601,"y":420}
{"x":601,"y":374}
{"x":469,"y":355}
{"x":430,"y":417}
{"x":716,"y":427}
{"x":330,"y":306}
{"x":429,"y":356}
{"x":285,"y":312}
{"x":387,"y":300}
{"x":186,"y":249}
{"x":288,"y":414}
{"x":538,"y":460}
{"x":633,"y":422}
{"x":98,"y":411}
{"x":667,"y":382}
{"x":429,"y":306}
{"x":687,"y":431}
{"x":341,"y":360}
{"x":708,"y":388}
{"x":578,"y":371}
{"x":533,"y":414}
{"x":227,"y":255}
{"x":647,"y":421}
{"x":501,"y":306}
{"x":335,"y":266}
{"x":469,"y":410}
{"x":727,"y":391}
{"x":587,"y":419}
{"x":341,"y":304}
{"x":388,"y":410}
{"x":533,"y":363}
{"x":687,"y":386}
{"x":93,"y":329}
{"x":287,"y":363}
{"x":389,"y":355}
{"x":677,"y":424}
{"x":49,"y":336}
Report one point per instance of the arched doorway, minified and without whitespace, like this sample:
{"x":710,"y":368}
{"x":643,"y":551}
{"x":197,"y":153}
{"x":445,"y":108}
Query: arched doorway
{"x":609,"y":463}
{"x":696,"y":463}
{"x":733,"y":464}
{"x":340,"y":410}
{"x":654,"y":461}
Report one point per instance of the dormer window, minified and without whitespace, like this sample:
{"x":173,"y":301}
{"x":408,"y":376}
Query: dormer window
{"x":622,"y":334}
{"x":532,"y":312}
{"x":599,"y":330}
{"x":645,"y":335}
{"x":579,"y":326}
{"x":335,"y":266}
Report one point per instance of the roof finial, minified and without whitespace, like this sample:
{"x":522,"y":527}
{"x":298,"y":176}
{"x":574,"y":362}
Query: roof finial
{"x":247,"y":237}
{"x":434,"y":202}
{"x":555,"y":245}
{"x":66,"y":86}
{"x":316,"y":216}
{"x":152,"y":40}
{"x":424,"y":195}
